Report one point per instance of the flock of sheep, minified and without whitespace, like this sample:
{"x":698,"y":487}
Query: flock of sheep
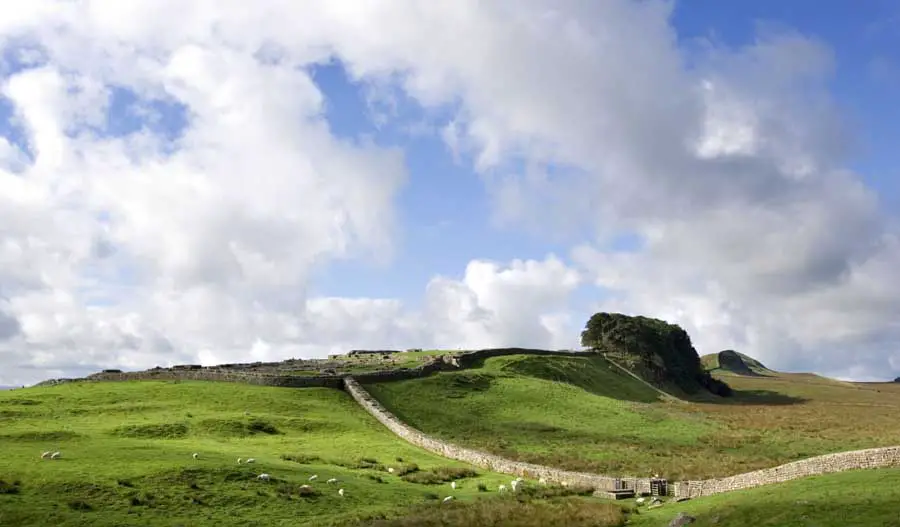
{"x":514,"y":484}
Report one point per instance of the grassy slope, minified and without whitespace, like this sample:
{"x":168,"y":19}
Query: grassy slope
{"x":865,"y":498}
{"x":136,"y":476}
{"x":600,"y":420}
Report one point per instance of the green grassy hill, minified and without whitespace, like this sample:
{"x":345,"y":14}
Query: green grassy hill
{"x":580,"y":413}
{"x":127,"y":457}
{"x":733,"y":362}
{"x":863,"y":498}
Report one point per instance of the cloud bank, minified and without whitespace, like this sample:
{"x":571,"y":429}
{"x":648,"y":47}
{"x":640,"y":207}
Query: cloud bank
{"x":169,"y":183}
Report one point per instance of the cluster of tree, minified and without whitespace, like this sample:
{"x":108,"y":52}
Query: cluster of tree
{"x":654,"y":348}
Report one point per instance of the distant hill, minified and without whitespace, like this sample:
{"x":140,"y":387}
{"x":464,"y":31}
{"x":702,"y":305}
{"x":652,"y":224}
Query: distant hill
{"x":736,"y":363}
{"x":659,"y":352}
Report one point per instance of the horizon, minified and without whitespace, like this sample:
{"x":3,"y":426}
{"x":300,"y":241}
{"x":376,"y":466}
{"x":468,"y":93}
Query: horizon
{"x":201,"y":183}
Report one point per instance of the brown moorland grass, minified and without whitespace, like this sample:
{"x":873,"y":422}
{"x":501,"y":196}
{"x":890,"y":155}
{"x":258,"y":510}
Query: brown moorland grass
{"x":576,"y":414}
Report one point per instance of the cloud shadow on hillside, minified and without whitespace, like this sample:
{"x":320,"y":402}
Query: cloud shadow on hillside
{"x":756,"y":398}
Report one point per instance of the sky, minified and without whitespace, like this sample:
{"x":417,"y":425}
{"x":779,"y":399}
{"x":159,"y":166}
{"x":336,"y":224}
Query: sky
{"x":208,"y":182}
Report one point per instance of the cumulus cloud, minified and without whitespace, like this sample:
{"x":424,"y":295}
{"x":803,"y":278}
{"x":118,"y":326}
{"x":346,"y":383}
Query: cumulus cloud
{"x":190,"y":231}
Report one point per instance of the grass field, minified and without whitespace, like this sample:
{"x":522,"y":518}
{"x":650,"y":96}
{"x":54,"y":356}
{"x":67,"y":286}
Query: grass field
{"x":126,"y":457}
{"x":581,"y":414}
{"x":865,"y":498}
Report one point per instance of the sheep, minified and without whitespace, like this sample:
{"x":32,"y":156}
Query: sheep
{"x":501,"y":488}
{"x":304,"y":487}
{"x":55,"y":455}
{"x":514,"y":484}
{"x":390,"y":470}
{"x":542,"y":481}
{"x":264,"y":477}
{"x":341,"y":492}
{"x":453,"y":485}
{"x":46,"y":454}
{"x":639,"y":501}
{"x":332,"y":480}
{"x":314,"y":477}
{"x":195,"y":455}
{"x":448,"y":498}
{"x":250,"y":460}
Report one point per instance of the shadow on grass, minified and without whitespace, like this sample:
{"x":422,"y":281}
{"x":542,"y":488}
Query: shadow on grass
{"x":592,"y":374}
{"x":752,"y":398}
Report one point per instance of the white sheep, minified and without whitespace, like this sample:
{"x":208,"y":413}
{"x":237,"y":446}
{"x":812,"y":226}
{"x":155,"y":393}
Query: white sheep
{"x":501,"y":488}
{"x":250,"y":460}
{"x":448,"y":498}
{"x":195,"y":455}
{"x":453,"y":485}
{"x":514,"y":484}
{"x":390,"y":470}
{"x":264,"y":477}
{"x":332,"y":480}
{"x":542,"y":481}
{"x":46,"y":454}
{"x":55,"y":455}
{"x":341,"y":492}
{"x":305,"y":487}
{"x":639,"y":501}
{"x":240,"y":461}
{"x":314,"y":477}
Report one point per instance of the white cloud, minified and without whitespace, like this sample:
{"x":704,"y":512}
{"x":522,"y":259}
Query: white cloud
{"x":142,"y":249}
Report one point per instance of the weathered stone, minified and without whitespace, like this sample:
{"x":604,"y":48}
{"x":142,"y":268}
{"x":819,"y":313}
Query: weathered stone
{"x":681,"y":520}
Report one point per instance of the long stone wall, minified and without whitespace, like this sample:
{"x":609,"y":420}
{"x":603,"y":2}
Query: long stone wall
{"x":226,"y":373}
{"x":483,"y":459}
{"x":829,"y":463}
{"x":286,"y":381}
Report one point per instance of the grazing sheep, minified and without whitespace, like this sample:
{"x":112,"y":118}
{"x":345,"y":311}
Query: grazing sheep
{"x":305,"y":487}
{"x":332,"y":480}
{"x":448,"y":498}
{"x":514,"y":484}
{"x":55,"y":455}
{"x":501,"y":488}
{"x":240,"y":461}
{"x":46,"y":454}
{"x":453,"y":485}
{"x":639,"y":501}
{"x":341,"y":492}
{"x":390,"y":470}
{"x":250,"y":460}
{"x":264,"y":477}
{"x":314,"y":477}
{"x":195,"y":455}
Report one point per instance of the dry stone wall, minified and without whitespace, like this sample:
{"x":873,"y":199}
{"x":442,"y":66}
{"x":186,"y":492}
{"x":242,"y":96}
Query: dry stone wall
{"x":838,"y":462}
{"x":286,"y":381}
{"x":484,"y":459}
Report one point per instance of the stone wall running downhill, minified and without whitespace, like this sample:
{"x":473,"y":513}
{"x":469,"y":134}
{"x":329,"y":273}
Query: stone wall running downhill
{"x":838,"y":462}
{"x":484,"y":459}
{"x":841,"y":461}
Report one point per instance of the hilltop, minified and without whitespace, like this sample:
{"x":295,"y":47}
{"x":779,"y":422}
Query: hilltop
{"x":657,"y":351}
{"x":730,"y":361}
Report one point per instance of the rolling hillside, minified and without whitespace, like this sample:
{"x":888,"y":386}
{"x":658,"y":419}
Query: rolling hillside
{"x":127,"y":457}
{"x":580,"y":413}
